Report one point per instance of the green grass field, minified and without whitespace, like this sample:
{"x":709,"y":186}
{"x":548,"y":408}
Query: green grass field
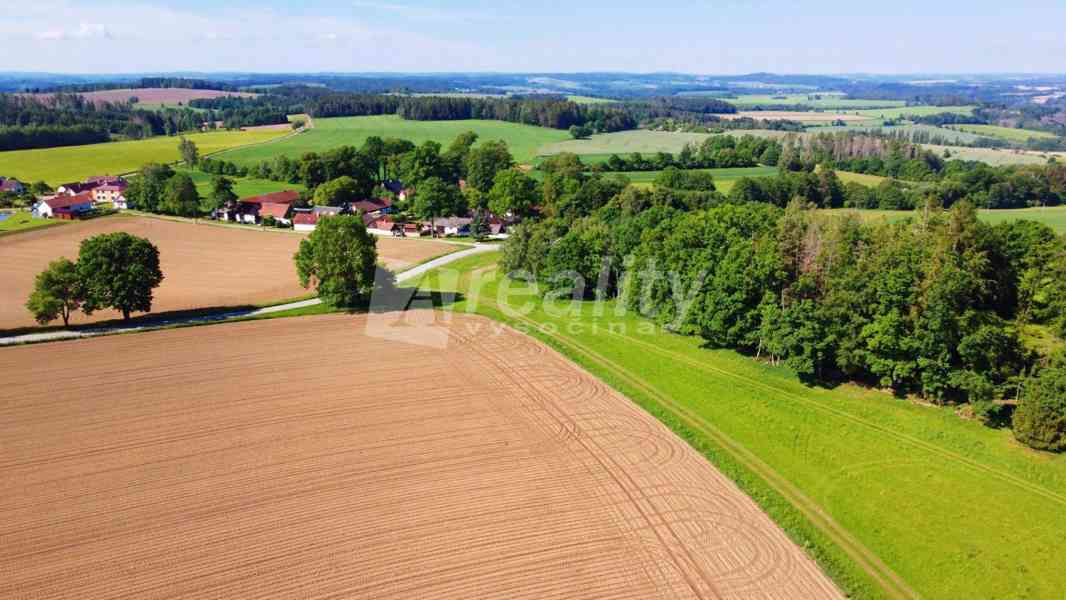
{"x":1054,"y":217}
{"x":22,"y":221}
{"x":523,"y":140}
{"x":868,"y":483}
{"x":57,"y":166}
{"x":243,"y":187}
{"x":824,"y":101}
{"x":915,"y":111}
{"x":863,"y":178}
{"x":1006,"y":133}
{"x":589,"y":100}
{"x":724,"y":179}
{"x":996,"y":157}
{"x":625,"y":142}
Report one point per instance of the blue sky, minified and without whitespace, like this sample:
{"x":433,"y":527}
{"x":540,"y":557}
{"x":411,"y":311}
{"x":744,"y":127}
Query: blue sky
{"x":720,"y":37}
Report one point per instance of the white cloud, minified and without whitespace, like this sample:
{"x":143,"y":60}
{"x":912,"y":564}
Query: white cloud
{"x":83,"y":32}
{"x":142,"y":37}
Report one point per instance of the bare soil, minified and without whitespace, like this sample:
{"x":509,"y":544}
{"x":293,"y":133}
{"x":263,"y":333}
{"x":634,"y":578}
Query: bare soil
{"x":315,"y":458}
{"x":204,"y":265}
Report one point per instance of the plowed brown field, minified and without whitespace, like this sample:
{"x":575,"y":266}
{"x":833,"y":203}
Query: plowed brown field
{"x":304,"y":458}
{"x":204,"y":265}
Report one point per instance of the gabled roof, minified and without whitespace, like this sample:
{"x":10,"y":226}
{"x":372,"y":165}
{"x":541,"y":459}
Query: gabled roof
{"x":305,"y":218}
{"x":327,"y":210}
{"x":77,"y":187}
{"x":273,"y":209}
{"x":371,"y":205}
{"x":286,"y":197}
{"x":63,"y":201}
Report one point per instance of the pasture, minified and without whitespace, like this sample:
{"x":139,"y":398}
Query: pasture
{"x":219,"y":462}
{"x":825,"y":101}
{"x":625,"y":142}
{"x":205,"y":265}
{"x":1007,"y":133}
{"x":11,"y":222}
{"x":913,"y":111}
{"x":724,"y":179}
{"x":523,"y":140}
{"x":996,"y":157}
{"x":57,"y":166}
{"x":876,"y":486}
{"x":242,"y":186}
{"x":1054,"y":217}
{"x":807,"y":117}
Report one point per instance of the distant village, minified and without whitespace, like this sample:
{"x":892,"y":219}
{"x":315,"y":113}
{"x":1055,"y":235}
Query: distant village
{"x":78,"y":200}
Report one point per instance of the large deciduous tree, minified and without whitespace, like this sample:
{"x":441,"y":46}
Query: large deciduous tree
{"x":119,"y":271}
{"x":436,"y":198}
{"x":513,"y":192}
{"x":337,"y":192}
{"x":338,"y":259}
{"x":57,"y":292}
{"x":485,"y":162}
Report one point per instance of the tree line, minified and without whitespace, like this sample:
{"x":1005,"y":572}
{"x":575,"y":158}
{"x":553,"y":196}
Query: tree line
{"x":929,"y":306}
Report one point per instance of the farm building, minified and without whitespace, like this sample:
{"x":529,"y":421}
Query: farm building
{"x":304,"y":221}
{"x":11,"y":186}
{"x":450,"y":226}
{"x":63,"y":206}
{"x":327,"y":211}
{"x":111,"y":192}
{"x":373,"y":206}
{"x":254,"y":208}
{"x":382,"y":225}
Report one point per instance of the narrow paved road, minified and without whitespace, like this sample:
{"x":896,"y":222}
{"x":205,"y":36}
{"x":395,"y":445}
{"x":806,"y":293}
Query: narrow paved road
{"x":407,"y":275}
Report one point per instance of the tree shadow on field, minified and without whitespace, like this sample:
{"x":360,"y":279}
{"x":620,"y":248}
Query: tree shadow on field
{"x":160,"y":319}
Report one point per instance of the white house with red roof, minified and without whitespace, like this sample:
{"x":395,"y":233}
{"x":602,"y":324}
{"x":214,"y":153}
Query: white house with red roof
{"x":63,"y":206}
{"x":254,"y":208}
{"x":304,"y":221}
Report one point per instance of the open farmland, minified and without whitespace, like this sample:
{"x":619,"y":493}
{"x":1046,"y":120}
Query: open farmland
{"x":204,"y":265}
{"x":211,"y":462}
{"x":523,"y":140}
{"x":1007,"y":133}
{"x":242,"y":186}
{"x":799,"y":116}
{"x":152,"y":96}
{"x":1054,"y":217}
{"x":724,"y":179}
{"x":873,"y":484}
{"x":913,"y":111}
{"x":57,"y":166}
{"x":815,"y":100}
{"x":996,"y":157}
{"x":626,"y":142}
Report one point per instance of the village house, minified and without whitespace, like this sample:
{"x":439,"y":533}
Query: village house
{"x":304,"y":221}
{"x":382,"y":225}
{"x":113,"y":193}
{"x":103,"y":189}
{"x":63,"y":206}
{"x":372,"y":206}
{"x":254,"y":208}
{"x":11,"y":186}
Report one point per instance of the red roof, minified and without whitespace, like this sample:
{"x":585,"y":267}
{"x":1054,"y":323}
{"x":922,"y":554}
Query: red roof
{"x":379,"y":223}
{"x":286,"y":197}
{"x":113,"y":187}
{"x":273,"y":209}
{"x":371,"y":205}
{"x":61,"y":202}
{"x":305,"y":218}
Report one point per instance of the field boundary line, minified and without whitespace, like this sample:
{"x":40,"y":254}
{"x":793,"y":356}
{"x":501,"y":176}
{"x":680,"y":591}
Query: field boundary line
{"x":927,"y":446}
{"x":890,"y":582}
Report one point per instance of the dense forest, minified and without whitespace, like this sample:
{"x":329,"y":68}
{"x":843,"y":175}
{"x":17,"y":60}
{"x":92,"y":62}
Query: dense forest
{"x":930,"y":306}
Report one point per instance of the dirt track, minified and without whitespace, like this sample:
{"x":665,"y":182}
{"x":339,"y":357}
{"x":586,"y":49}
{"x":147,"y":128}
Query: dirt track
{"x":204,"y":265}
{"x":242,"y":460}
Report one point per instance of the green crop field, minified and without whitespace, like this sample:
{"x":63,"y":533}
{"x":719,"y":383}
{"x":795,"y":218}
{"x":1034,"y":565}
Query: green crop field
{"x":1054,"y":217}
{"x":863,"y":178}
{"x":1006,"y":133}
{"x":242,"y":186}
{"x":57,"y":166}
{"x":867,"y":482}
{"x":327,"y":134}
